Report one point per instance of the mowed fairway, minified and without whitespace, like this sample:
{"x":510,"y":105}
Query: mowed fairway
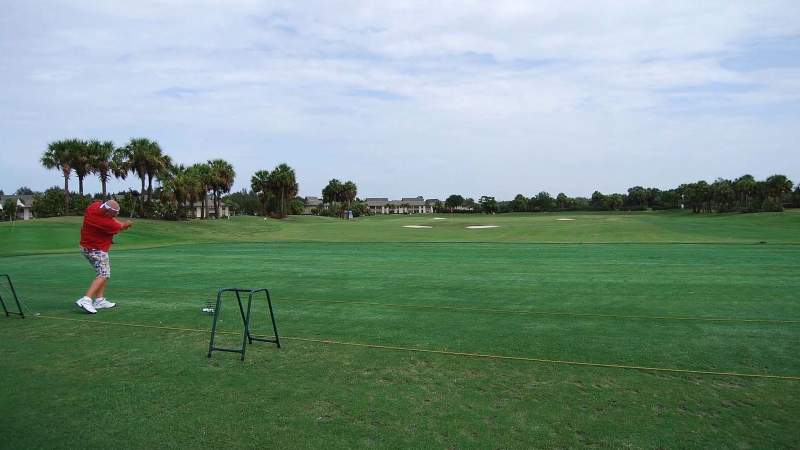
{"x":442,"y":309}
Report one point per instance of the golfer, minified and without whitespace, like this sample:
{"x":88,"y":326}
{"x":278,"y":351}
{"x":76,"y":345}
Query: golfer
{"x":97,"y":232}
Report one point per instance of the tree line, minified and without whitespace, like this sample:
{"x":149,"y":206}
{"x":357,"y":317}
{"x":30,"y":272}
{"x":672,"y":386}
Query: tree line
{"x":274,"y":193}
{"x":341,"y":197}
{"x":180,"y":186}
{"x":743,"y":194}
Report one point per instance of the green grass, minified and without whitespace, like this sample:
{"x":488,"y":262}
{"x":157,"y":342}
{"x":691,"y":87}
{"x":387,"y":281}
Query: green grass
{"x":526,"y":289}
{"x":59,"y":234}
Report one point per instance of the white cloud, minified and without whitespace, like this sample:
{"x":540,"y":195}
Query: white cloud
{"x":501,"y":97}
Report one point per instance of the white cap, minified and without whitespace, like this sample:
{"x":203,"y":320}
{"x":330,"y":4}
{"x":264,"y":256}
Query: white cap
{"x":105,"y":205}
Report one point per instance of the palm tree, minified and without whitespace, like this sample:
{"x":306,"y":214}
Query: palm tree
{"x":135,"y":157}
{"x":202,"y":174}
{"x":349,"y":192}
{"x":283,"y":184}
{"x":777,"y":185}
{"x":59,"y":156}
{"x":259,"y":183}
{"x":332,"y":192}
{"x":157,"y":164}
{"x":101,"y":161}
{"x":193,"y":187}
{"x":166,"y":172}
{"x":81,"y":161}
{"x":179,"y":185}
{"x":144,"y":158}
{"x":222,"y":176}
{"x":745,"y":187}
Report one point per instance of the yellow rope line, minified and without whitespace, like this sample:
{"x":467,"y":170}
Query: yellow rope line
{"x":507,"y":311}
{"x":451,"y":353}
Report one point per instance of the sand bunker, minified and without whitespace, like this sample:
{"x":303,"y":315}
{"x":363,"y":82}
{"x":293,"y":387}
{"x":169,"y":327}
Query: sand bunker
{"x":439,"y":218}
{"x":416,"y":226}
{"x":481,"y":227}
{"x":565,"y":219}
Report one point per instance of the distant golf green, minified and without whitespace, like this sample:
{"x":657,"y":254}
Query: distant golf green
{"x":702,"y":293}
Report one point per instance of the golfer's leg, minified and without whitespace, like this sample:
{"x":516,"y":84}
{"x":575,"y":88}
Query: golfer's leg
{"x":97,"y":286}
{"x":101,"y":290}
{"x":103,"y":267}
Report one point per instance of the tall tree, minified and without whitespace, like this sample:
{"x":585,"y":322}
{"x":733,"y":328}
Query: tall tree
{"x":723,"y":194}
{"x":777,"y":185}
{"x":188,"y":184}
{"x":349,"y":193}
{"x":543,"y":201}
{"x":332,"y":193}
{"x":562,"y":201}
{"x":119,"y":164}
{"x":283,"y":184}
{"x":101,"y":161}
{"x":654,"y":197}
{"x":135,"y":157}
{"x":10,"y":208}
{"x":260,"y":183}
{"x":598,"y":200}
{"x":179,"y":186}
{"x":454,"y":201}
{"x":744,"y":187}
{"x":202,"y":173}
{"x":222,"y":176}
{"x":520,"y":203}
{"x":796,"y":197}
{"x":697,"y":195}
{"x":488,"y":204}
{"x":59,"y":156}
{"x":613,"y":202}
{"x":157,"y":162}
{"x":637,"y":196}
{"x":81,"y":161}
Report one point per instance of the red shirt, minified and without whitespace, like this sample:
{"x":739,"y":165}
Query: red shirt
{"x":98,"y":229}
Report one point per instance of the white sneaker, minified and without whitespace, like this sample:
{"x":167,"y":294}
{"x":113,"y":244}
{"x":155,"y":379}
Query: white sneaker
{"x":85,"y":303}
{"x":102,"y":303}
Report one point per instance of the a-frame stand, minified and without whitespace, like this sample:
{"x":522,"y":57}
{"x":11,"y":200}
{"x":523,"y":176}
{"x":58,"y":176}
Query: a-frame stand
{"x":14,"y":293}
{"x":246,"y":336}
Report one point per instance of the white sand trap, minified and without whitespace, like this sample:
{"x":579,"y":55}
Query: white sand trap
{"x":565,"y":219}
{"x":416,"y":226}
{"x":439,"y":218}
{"x":481,"y":227}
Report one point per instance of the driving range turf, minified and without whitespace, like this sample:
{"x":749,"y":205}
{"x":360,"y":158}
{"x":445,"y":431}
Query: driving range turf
{"x":644,"y":290}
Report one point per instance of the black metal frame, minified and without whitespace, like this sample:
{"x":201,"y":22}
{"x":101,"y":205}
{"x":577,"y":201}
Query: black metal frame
{"x":246,"y":336}
{"x":14,"y":293}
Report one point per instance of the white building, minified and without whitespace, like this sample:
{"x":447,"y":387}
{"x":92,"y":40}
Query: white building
{"x":310,"y":204}
{"x":24,"y":206}
{"x":406,"y":205}
{"x":224,"y":210}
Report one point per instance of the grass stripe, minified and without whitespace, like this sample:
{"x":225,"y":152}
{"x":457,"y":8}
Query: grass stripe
{"x":451,"y":353}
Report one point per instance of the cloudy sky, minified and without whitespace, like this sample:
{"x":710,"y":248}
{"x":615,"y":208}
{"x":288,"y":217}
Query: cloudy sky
{"x":412,"y":98}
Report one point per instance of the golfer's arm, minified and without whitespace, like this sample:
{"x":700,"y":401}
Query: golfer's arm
{"x":123,"y":225}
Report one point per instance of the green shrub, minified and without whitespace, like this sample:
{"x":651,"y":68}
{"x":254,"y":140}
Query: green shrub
{"x":771,"y":205}
{"x":50,"y":203}
{"x":296,"y":206}
{"x":78,"y":204}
